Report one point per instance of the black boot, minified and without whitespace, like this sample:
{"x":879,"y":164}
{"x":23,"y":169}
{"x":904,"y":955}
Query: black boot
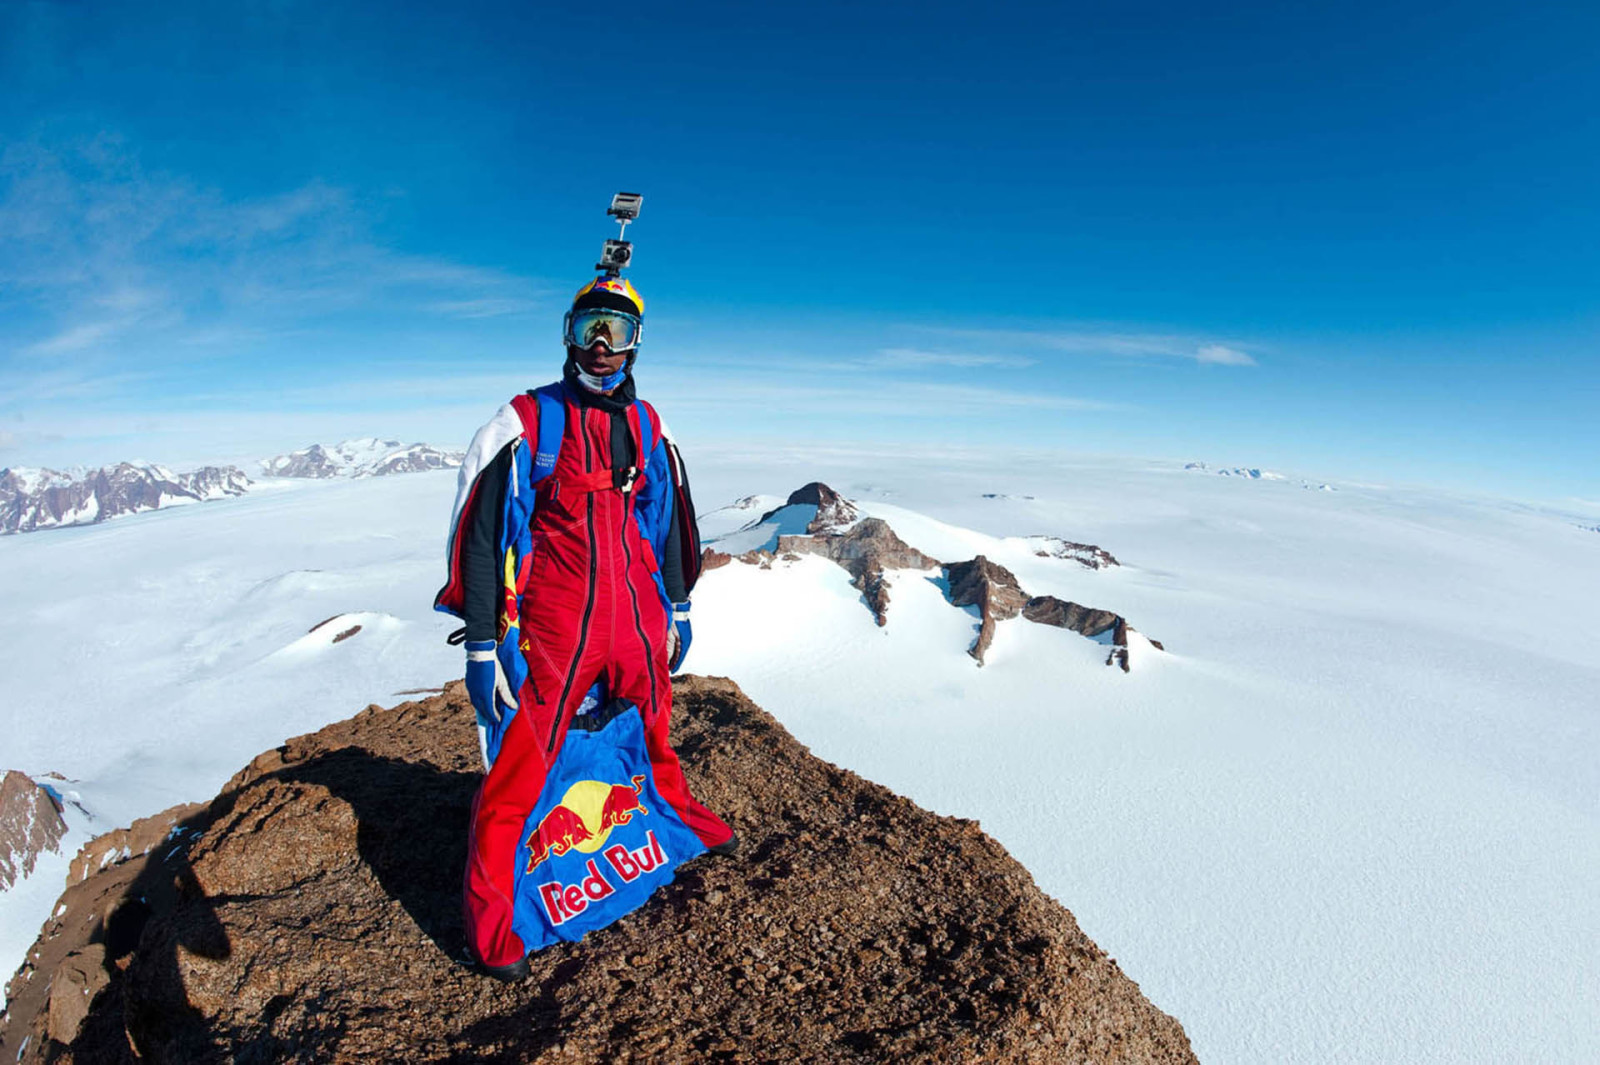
{"x":510,"y":974}
{"x":727,"y":846}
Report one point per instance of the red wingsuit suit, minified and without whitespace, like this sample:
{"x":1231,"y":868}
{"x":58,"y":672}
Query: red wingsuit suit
{"x":590,"y":610}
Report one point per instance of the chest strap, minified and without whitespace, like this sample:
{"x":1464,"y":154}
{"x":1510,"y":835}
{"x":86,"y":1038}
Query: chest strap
{"x":625,"y":480}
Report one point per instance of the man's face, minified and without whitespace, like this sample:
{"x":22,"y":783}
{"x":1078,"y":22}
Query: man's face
{"x":598,"y":360}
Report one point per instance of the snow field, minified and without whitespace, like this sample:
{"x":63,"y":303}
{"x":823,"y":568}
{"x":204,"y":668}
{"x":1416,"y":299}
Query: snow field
{"x":1351,"y":815}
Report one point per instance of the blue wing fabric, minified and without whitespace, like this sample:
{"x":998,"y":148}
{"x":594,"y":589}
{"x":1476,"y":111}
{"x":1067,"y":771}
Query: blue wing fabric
{"x":600,"y":840}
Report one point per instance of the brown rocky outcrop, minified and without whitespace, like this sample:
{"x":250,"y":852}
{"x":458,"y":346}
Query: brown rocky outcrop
{"x":994,"y":590}
{"x":30,"y":824}
{"x":1087,"y":621}
{"x":311,"y":914}
{"x":991,"y":588}
{"x":868,"y":549}
{"x":711,"y":558}
{"x":1084,"y":620}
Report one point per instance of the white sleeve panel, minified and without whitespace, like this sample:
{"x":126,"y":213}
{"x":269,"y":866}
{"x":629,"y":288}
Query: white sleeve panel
{"x":504,"y":427}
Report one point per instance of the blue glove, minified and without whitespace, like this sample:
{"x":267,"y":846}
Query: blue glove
{"x":485,"y":681}
{"x":679,"y":636}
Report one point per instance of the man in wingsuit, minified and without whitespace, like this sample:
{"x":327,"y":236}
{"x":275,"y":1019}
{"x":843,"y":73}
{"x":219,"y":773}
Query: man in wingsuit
{"x":571,"y":561}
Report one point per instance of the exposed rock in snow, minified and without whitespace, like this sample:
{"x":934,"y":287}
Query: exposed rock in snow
{"x":870,"y":547}
{"x":30,"y":824}
{"x":834,"y":512}
{"x":991,"y":588}
{"x":1084,"y":620}
{"x":865,"y":552}
{"x":365,"y":457}
{"x":1084,"y":554}
{"x":311,"y":912}
{"x":46,"y":499}
{"x":994,"y":590}
{"x":711,"y":558}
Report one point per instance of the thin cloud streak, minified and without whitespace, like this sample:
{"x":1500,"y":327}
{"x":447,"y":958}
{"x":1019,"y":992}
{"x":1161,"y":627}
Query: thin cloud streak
{"x":1126,"y":345}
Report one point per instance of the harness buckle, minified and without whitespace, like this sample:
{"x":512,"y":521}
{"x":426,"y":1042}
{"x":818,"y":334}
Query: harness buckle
{"x":623,"y":479}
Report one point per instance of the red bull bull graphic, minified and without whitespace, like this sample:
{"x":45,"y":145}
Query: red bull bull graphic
{"x":583,"y":818}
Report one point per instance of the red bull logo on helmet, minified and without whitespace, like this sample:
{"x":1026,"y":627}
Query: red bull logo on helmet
{"x":583,"y":819}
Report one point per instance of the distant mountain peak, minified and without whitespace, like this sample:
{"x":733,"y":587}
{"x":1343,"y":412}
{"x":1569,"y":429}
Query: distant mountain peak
{"x":362,"y":457}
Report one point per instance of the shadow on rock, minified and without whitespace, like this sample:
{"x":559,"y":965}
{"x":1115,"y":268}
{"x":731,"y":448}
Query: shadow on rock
{"x":411,"y":830}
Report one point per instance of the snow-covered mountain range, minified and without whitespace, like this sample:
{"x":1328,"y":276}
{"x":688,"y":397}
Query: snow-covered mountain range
{"x":365,"y":457}
{"x":1347,"y":815}
{"x":34,"y":498}
{"x":47,"y":499}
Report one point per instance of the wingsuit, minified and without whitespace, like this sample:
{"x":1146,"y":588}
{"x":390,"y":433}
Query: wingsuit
{"x":573,"y":564}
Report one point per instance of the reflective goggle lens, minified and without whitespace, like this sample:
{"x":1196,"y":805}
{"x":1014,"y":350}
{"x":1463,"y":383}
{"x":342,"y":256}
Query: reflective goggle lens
{"x":619,"y":330}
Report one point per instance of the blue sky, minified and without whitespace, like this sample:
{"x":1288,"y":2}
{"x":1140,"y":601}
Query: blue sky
{"x":1336,"y":239}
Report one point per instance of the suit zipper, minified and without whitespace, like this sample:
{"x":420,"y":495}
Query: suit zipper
{"x":588,"y":606}
{"x":633,"y":598}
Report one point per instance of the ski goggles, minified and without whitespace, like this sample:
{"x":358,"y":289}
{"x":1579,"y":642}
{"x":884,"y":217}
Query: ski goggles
{"x":619,"y":329}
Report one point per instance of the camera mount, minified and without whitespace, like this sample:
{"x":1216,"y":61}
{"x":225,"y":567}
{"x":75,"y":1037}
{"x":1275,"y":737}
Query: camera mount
{"x":617,"y":253}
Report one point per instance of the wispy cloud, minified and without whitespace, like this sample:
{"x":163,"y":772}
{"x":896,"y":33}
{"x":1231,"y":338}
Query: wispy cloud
{"x":490,"y":307}
{"x":73,"y":338}
{"x":1097,"y":342}
{"x":98,"y":253}
{"x":1222,"y":355}
{"x":917,"y":357}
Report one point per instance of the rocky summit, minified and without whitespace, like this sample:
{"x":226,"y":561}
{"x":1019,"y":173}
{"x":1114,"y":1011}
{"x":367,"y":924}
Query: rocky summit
{"x":311,"y":913}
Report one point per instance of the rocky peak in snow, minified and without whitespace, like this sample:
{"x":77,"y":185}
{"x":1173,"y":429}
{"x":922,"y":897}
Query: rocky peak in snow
{"x":33,"y":499}
{"x":866,"y":551}
{"x":312,"y":912}
{"x":991,"y":588}
{"x":834,"y":513}
{"x":363,"y":457}
{"x":30,"y":824}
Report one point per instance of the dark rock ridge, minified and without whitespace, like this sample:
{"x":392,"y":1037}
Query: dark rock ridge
{"x":30,"y":825}
{"x":994,"y":590}
{"x":310,"y":913}
{"x":47,"y":499}
{"x":868,"y":549}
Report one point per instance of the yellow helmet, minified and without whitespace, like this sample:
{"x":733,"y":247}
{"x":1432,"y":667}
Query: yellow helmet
{"x":610,"y":292}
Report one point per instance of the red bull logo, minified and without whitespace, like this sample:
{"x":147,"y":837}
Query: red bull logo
{"x":583,"y":819}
